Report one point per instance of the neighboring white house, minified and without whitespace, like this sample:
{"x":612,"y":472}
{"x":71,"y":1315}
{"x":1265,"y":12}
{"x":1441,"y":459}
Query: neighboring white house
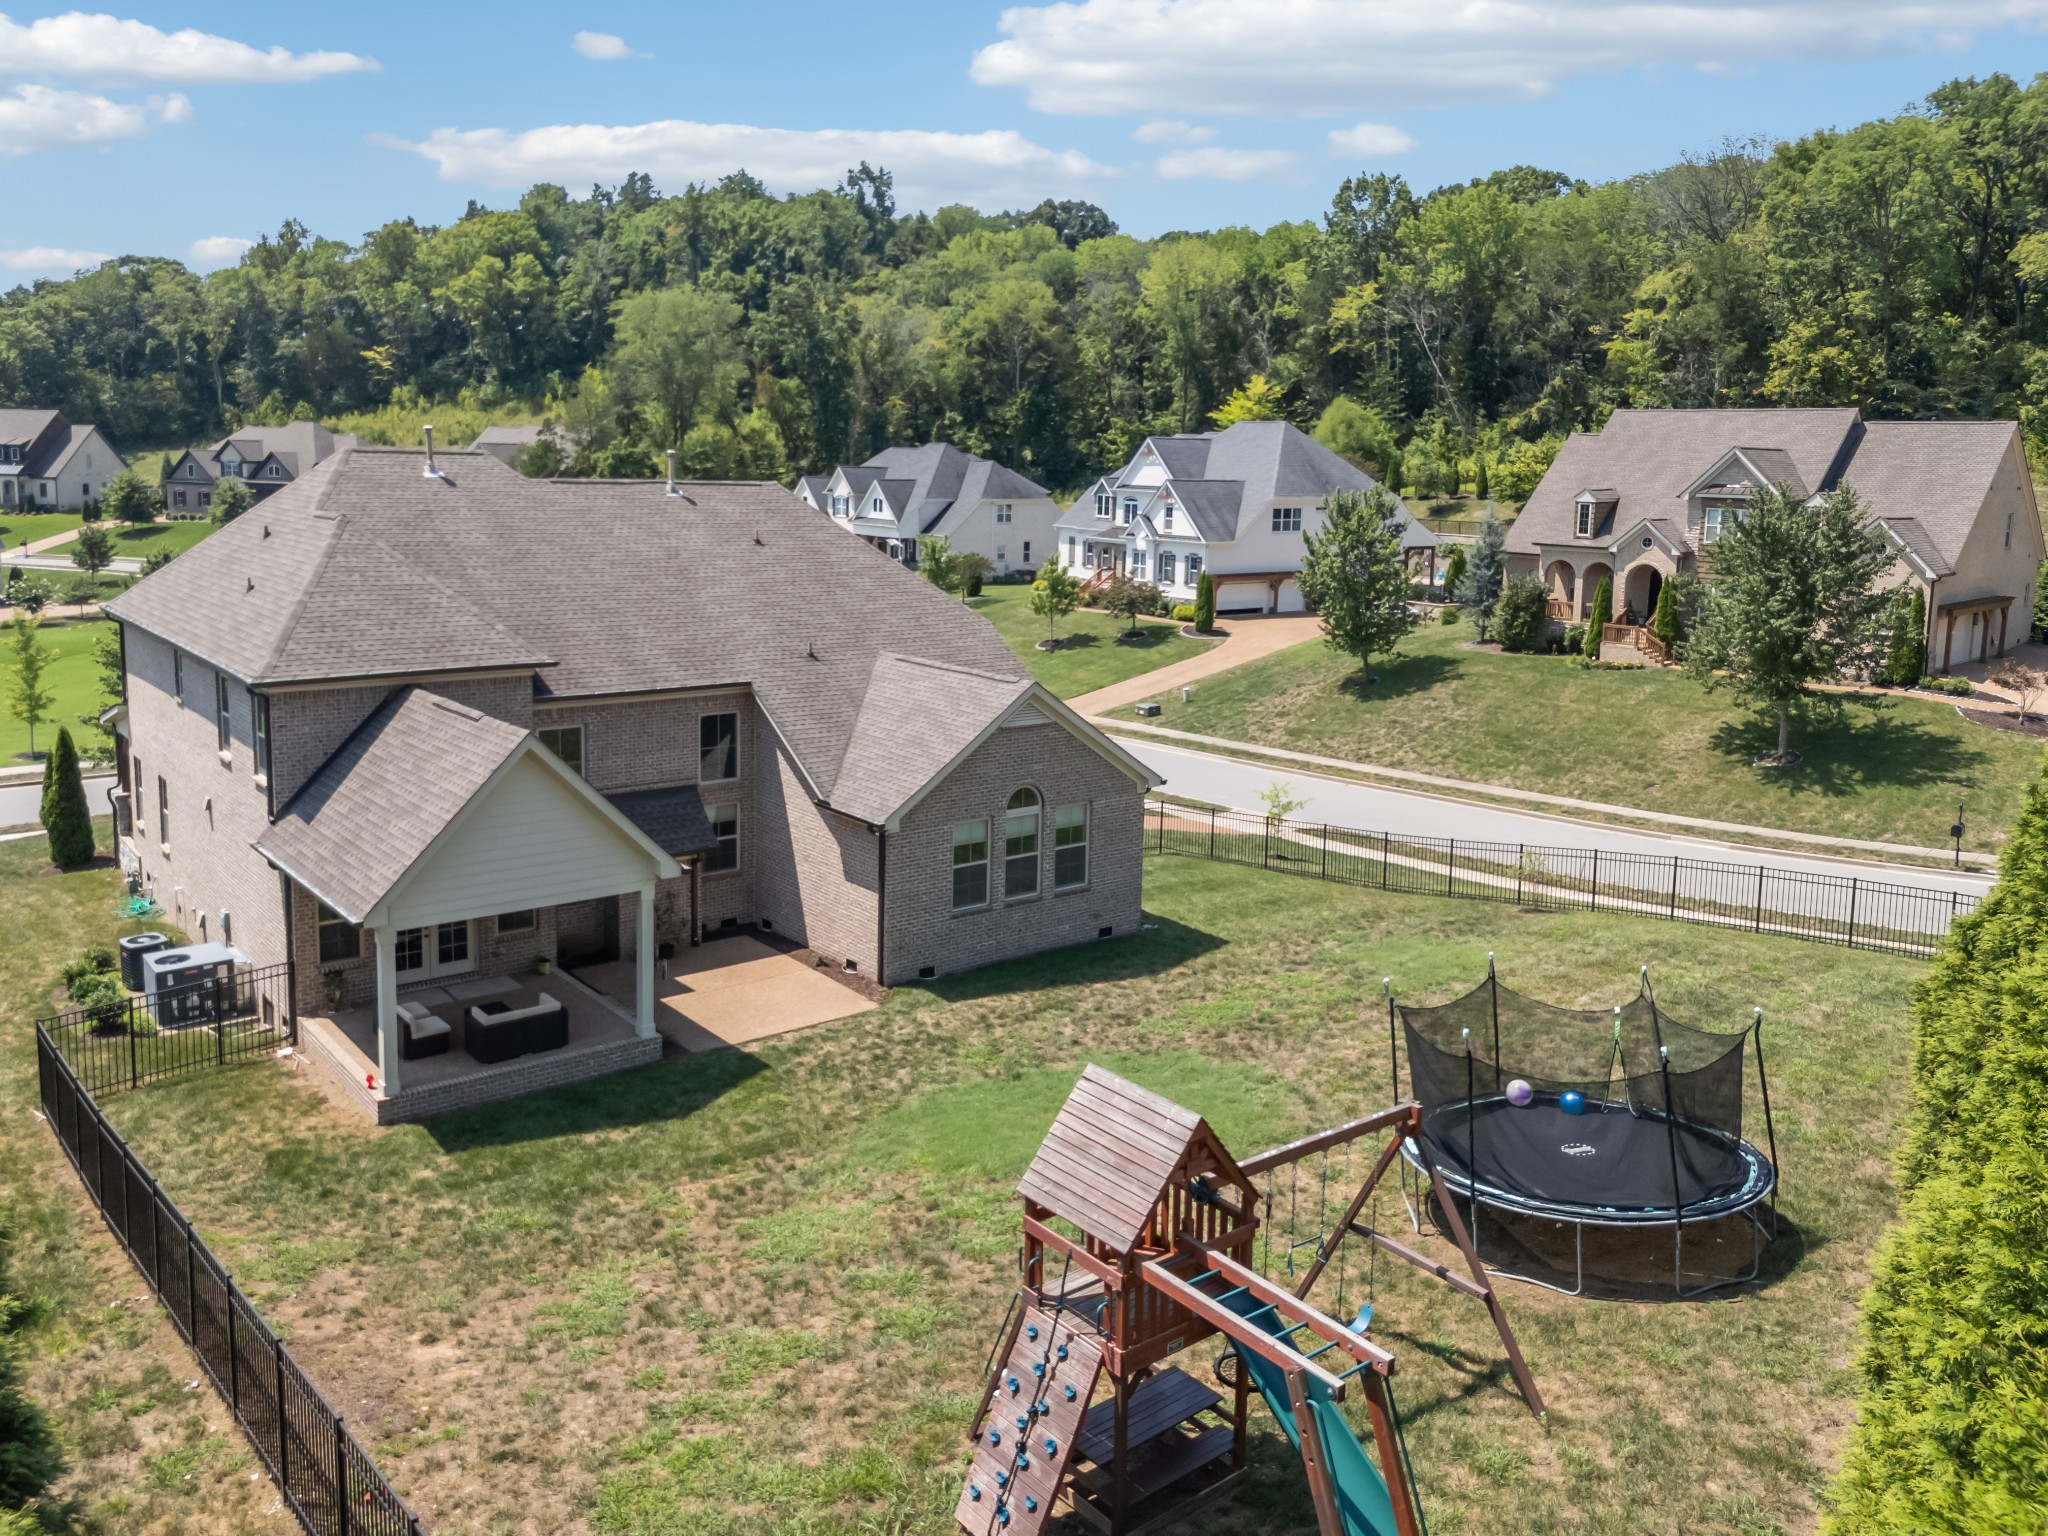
{"x":1235,"y":503}
{"x":937,"y":491}
{"x":48,"y":462}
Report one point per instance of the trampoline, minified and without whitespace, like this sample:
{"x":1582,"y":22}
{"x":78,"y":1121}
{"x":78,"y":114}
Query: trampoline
{"x":1634,"y":1120}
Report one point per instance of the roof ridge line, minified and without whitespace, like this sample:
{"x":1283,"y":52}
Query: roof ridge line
{"x":285,"y":631}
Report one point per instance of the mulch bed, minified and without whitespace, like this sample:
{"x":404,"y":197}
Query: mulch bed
{"x":2032,"y":725}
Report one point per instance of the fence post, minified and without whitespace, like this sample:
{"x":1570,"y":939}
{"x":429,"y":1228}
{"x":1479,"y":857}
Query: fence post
{"x":191,"y":1296}
{"x":134,"y":1070}
{"x":1326,"y":850}
{"x":1852,"y":911}
{"x":1595,"y":903}
{"x":1451,"y":869}
{"x":340,"y":1477}
{"x":1759,"y":928}
{"x":234,"y":1364}
{"x":284,"y":1484}
{"x":220,"y":1025}
{"x":1162,"y":826}
{"x":1521,"y":859}
{"x":1386,"y":858}
{"x":1674,"y":887}
{"x":1266,"y":857}
{"x":1212,"y":832}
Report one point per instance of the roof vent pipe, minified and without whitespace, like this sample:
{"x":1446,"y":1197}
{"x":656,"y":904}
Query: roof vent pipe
{"x":433,"y":470}
{"x":676,"y":490}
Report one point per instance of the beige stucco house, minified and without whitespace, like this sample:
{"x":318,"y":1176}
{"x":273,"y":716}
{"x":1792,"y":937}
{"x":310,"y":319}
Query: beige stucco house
{"x":406,"y":727}
{"x":1647,"y":496}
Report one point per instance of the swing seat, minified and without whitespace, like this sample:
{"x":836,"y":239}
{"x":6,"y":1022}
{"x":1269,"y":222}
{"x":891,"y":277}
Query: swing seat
{"x":1363,"y":1322}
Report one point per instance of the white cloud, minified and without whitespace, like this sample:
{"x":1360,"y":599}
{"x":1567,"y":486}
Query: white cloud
{"x":1323,"y":57}
{"x":1171,"y":130}
{"x":50,"y":260}
{"x":997,"y":167}
{"x":39,"y":117}
{"x":601,"y":45}
{"x":216,"y":251}
{"x":1370,"y":140}
{"x":1219,"y":164}
{"x":109,"y":49}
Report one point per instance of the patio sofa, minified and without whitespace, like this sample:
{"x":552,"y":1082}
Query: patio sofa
{"x":495,"y":1031}
{"x":422,"y":1032}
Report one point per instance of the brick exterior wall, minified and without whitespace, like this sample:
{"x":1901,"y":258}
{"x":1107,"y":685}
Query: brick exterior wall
{"x":218,"y":805}
{"x":497,"y":954}
{"x":509,"y":1080}
{"x":923,"y":929}
{"x":307,"y":725}
{"x":816,"y":872}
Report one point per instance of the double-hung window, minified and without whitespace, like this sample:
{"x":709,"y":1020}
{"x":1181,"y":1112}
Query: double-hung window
{"x":970,"y":865}
{"x":1166,"y":567}
{"x":1105,"y":503}
{"x":1130,"y":509}
{"x":340,"y":939}
{"x":1138,"y":564}
{"x":1070,"y":847}
{"x":725,"y":826}
{"x":1194,"y":568}
{"x":1020,"y":846}
{"x":521,"y":921}
{"x":259,"y":711}
{"x":566,"y":742}
{"x":1715,"y":517}
{"x":1005,"y":512}
{"x":1027,"y":552}
{"x":221,"y":718}
{"x":1586,"y":519}
{"x":1166,"y":516}
{"x":1287,"y":519}
{"x":718,"y":748}
{"x":163,"y":810}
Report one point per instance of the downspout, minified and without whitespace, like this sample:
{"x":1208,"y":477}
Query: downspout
{"x":881,"y":902}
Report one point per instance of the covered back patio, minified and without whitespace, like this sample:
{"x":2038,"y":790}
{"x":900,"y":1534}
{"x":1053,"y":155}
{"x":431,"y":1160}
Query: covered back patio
{"x":438,"y":845}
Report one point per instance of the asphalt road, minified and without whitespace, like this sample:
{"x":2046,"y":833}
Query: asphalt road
{"x":1348,"y":803}
{"x":21,"y":805}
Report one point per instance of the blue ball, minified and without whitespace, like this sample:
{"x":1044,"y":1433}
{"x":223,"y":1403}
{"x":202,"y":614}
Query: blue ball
{"x":1572,"y":1102}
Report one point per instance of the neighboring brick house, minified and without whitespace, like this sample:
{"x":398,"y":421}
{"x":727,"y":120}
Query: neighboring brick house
{"x":1235,"y":503}
{"x":265,"y":459}
{"x":1644,"y":499}
{"x":937,"y":491}
{"x":404,"y":720}
{"x":47,"y":462}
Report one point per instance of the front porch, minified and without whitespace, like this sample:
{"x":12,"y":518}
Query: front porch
{"x":603,"y":1038}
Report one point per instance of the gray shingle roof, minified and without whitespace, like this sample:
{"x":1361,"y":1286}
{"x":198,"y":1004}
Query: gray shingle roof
{"x":1212,"y":506}
{"x":885,"y":763}
{"x":1266,"y":461}
{"x":1649,"y":457}
{"x":1912,"y":534}
{"x":945,"y":483}
{"x":674,"y":818}
{"x":24,"y":426}
{"x":406,"y":771}
{"x":1937,"y":472}
{"x":364,"y":568}
{"x":308,"y":442}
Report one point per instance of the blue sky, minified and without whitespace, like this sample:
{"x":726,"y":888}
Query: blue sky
{"x":187,"y":129}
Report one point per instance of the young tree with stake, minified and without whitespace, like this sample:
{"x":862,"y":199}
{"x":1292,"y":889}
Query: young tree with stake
{"x":28,"y":659}
{"x":1353,"y":576}
{"x":1794,"y":602}
{"x":1053,"y":596}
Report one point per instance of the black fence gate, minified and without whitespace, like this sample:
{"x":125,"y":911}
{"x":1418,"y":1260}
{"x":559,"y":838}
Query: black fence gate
{"x":326,"y":1477}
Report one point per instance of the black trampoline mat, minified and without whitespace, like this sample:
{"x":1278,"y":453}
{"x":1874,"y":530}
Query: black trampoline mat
{"x":1609,"y":1163}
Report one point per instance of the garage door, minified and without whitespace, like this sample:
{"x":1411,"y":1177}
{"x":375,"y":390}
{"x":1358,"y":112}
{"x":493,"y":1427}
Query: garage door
{"x":1242,"y":596}
{"x":1290,"y":598}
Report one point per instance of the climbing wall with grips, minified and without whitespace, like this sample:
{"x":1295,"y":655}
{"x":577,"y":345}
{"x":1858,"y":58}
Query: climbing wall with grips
{"x":1025,"y":1440}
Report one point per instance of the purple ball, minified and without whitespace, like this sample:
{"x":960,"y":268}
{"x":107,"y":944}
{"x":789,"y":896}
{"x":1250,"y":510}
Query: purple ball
{"x":1520,"y":1094}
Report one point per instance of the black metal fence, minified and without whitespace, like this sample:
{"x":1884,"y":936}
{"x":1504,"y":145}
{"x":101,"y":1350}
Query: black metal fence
{"x":209,"y":1023}
{"x":326,"y":1477}
{"x":1829,"y":909}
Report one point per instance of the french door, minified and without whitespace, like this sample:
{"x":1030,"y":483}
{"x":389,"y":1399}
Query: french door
{"x":445,"y":949}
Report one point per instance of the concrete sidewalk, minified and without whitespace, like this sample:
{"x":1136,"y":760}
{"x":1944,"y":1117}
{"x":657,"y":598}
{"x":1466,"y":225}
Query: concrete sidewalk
{"x":1244,"y":640}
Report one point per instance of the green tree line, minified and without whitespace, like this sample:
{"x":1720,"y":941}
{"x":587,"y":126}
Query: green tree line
{"x":1447,"y":338}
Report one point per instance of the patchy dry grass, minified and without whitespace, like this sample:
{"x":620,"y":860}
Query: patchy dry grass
{"x":752,"y":1292}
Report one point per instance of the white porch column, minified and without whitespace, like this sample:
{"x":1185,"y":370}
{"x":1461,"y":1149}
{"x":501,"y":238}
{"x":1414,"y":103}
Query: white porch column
{"x":643,"y":963}
{"x":387,"y":1009}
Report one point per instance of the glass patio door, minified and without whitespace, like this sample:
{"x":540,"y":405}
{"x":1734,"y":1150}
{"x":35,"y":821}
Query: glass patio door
{"x":445,"y":949}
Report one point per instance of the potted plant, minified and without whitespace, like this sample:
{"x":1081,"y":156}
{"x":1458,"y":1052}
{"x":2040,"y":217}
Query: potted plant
{"x":544,"y":966}
{"x":336,"y":984}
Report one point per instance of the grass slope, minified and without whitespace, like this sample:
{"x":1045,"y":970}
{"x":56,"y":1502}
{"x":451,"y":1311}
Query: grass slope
{"x":135,"y":543}
{"x":1890,"y":769}
{"x":1094,"y":656}
{"x":148,"y":1451}
{"x":751,"y":1292}
{"x":20,"y":528}
{"x":72,"y":678}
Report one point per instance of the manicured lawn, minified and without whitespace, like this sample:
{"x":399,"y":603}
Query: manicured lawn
{"x":752,"y":1291}
{"x":73,"y":678}
{"x":19,"y":528}
{"x":137,"y":543}
{"x":1093,"y":656}
{"x":1890,"y":770}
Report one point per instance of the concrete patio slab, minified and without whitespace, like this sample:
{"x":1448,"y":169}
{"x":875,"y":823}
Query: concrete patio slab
{"x":733,"y":991}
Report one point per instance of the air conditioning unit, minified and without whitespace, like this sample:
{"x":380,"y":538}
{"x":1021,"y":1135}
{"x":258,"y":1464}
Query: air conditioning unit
{"x":194,"y":985}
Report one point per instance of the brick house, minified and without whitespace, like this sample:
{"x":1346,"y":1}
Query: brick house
{"x":264,"y":459}
{"x":1644,"y":499}
{"x":418,"y":717}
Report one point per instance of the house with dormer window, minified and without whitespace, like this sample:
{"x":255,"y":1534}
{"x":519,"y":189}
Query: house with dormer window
{"x":937,"y":491}
{"x":1648,"y":496}
{"x":1236,"y":503}
{"x":265,"y":459}
{"x":50,"y":463}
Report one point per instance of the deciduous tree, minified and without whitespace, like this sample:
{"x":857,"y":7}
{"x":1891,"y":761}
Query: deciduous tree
{"x":28,"y":662}
{"x":1353,"y":577}
{"x":1053,"y":596}
{"x":93,"y":550}
{"x":129,"y":499}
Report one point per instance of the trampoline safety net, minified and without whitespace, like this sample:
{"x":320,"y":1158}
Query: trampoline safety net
{"x":1658,"y":1132}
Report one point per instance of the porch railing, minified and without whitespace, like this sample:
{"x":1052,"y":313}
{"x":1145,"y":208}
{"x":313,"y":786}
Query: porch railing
{"x":1641,"y":636}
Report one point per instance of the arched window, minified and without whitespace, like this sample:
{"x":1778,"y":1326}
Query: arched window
{"x":1020,"y":846}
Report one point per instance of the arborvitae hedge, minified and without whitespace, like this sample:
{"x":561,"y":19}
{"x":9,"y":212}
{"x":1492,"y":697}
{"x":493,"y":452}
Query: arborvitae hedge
{"x":1952,"y":1436}
{"x":1664,"y":625}
{"x":1205,"y":604}
{"x":1905,"y":660}
{"x":1598,"y":617}
{"x":65,"y":816}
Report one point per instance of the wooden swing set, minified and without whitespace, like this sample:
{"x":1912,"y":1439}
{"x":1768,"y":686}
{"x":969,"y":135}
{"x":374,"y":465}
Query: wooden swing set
{"x":1139,"y":1239}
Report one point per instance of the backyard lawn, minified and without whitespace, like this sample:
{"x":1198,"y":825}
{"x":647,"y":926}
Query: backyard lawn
{"x":19,"y":528}
{"x":135,"y":543}
{"x":1093,"y":656}
{"x":752,"y":1291}
{"x":1888,"y":769}
{"x":73,"y":678}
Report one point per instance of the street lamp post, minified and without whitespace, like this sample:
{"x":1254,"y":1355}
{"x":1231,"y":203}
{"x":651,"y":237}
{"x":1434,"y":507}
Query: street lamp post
{"x":1956,"y":832}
